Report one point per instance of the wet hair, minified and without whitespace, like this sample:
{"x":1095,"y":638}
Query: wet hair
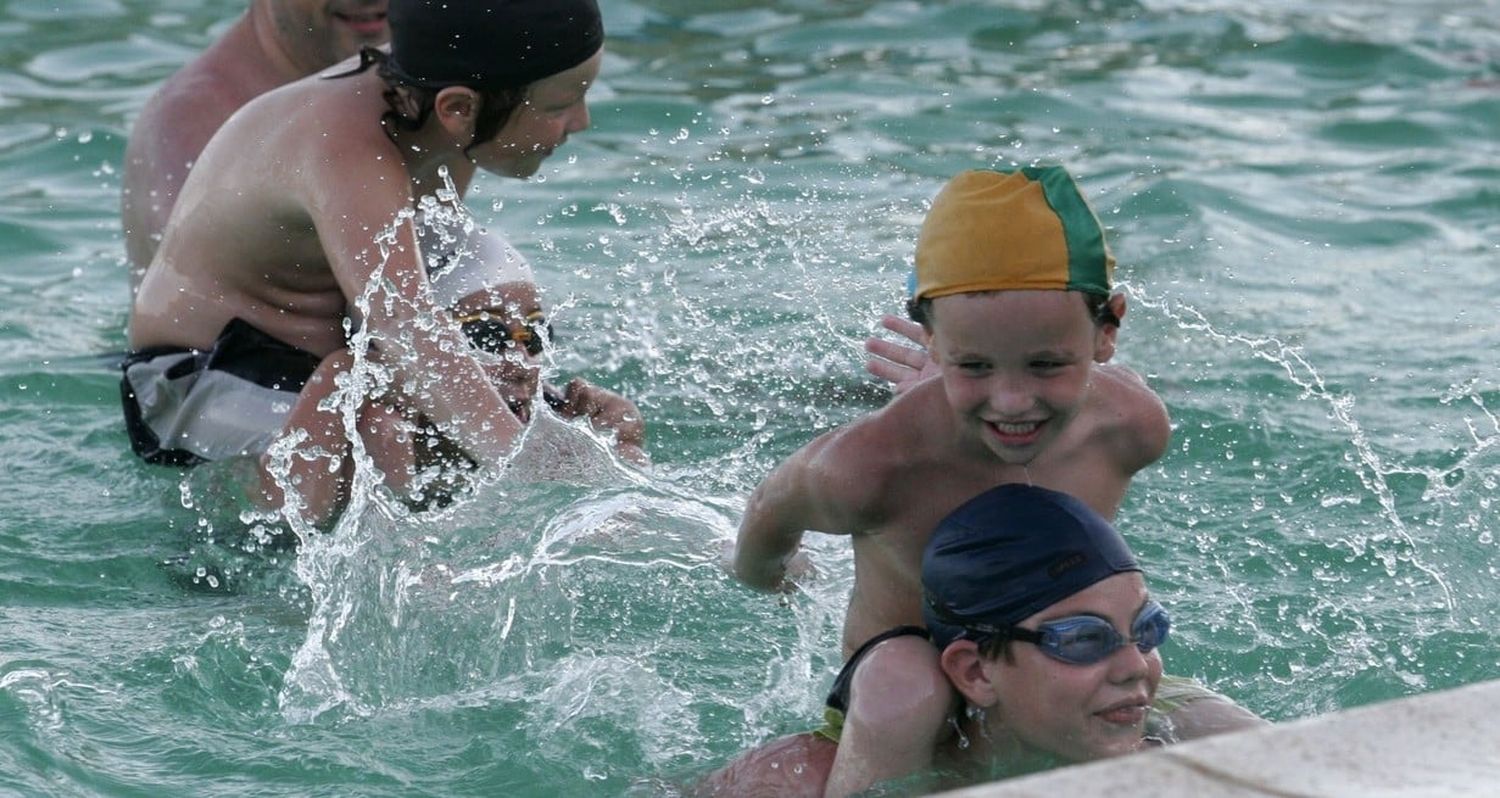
{"x":996,"y":647}
{"x":495,"y":48}
{"x":920,"y":310}
{"x":411,"y":105}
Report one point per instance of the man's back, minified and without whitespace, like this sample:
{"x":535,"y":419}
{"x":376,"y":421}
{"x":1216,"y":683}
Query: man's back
{"x":258,"y":53}
{"x":242,"y":240}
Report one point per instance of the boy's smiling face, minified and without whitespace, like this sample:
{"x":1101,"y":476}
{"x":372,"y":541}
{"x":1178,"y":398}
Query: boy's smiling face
{"x":1016,"y":365}
{"x":555,"y":108}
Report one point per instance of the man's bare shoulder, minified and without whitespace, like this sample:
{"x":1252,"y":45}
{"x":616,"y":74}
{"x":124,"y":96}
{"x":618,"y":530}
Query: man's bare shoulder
{"x":179,"y":120}
{"x":194,"y":101}
{"x":175,"y":125}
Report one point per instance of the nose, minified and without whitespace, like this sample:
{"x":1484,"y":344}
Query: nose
{"x":1127,"y":664}
{"x":1010,"y":396}
{"x":515,"y":368}
{"x":579,"y":120}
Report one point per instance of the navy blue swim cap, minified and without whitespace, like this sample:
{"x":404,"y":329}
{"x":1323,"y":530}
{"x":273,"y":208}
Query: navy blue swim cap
{"x":1010,"y":553}
{"x":490,"y":44}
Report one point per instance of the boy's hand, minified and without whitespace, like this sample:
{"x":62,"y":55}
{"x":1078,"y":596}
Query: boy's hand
{"x":902,"y":366}
{"x":797,"y":568}
{"x":606,"y":410}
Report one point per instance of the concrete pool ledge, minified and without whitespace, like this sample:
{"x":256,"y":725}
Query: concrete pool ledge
{"x":1435,"y":744}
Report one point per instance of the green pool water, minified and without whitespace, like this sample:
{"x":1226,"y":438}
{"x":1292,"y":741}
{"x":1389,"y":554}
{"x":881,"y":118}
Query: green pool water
{"x":1305,"y":203}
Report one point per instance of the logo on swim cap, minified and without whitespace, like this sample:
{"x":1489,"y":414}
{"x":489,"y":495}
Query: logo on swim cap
{"x":490,"y":44}
{"x":1067,"y":563}
{"x":1030,"y":229}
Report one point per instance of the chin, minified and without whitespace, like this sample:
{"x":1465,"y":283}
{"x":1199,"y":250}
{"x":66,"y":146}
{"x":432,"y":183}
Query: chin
{"x":519,"y":170}
{"x":528,"y":166}
{"x":1012,"y":455}
{"x":1116,"y":745}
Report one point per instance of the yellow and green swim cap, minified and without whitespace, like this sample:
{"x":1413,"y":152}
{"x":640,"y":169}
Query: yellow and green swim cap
{"x":1030,"y":229}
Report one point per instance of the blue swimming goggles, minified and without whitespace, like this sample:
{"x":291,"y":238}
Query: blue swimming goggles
{"x":1087,"y":639}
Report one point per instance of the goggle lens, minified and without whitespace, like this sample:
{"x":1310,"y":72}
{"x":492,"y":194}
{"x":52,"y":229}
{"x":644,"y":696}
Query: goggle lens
{"x":491,"y":333}
{"x":1086,"y":639}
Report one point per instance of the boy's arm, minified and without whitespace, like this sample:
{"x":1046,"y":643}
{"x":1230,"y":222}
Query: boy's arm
{"x":901,"y":702}
{"x":355,"y":196}
{"x":1143,"y":428}
{"x":797,"y":496}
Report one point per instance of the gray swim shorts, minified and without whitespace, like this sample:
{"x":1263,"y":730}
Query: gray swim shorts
{"x":186,"y":406}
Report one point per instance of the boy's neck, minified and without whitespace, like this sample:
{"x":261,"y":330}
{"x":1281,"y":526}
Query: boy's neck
{"x":427,"y":152}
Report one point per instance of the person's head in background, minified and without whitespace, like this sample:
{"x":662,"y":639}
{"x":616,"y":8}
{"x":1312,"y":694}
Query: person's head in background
{"x":314,"y":34}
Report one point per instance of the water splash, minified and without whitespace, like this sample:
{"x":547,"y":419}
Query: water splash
{"x":1371,"y":468}
{"x":389,"y":586}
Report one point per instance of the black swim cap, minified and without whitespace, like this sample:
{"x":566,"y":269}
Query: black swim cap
{"x":1010,"y":553}
{"x":490,"y":44}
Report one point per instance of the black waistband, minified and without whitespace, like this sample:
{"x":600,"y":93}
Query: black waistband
{"x":243,"y":350}
{"x":838,"y":695}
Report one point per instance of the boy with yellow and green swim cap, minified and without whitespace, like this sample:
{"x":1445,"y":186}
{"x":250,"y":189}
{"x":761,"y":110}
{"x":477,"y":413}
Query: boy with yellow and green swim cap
{"x":1013,"y":289}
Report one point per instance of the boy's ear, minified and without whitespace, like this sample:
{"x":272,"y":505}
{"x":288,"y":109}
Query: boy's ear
{"x":456,"y":108}
{"x":1105,"y":334}
{"x":965,"y":669}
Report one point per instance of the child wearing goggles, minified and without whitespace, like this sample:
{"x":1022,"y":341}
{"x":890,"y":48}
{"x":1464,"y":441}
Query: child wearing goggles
{"x":1080,"y":639}
{"x":1045,"y":629}
{"x":487,"y":290}
{"x":1042,"y":625}
{"x":1014,"y":293}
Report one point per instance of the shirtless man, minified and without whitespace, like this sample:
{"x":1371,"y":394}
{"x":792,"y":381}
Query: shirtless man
{"x":273,"y":44}
{"x":273,"y":238}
